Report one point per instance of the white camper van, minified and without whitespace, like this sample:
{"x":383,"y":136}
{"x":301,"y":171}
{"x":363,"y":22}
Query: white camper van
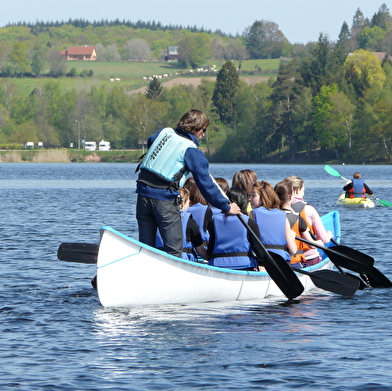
{"x":104,"y":145}
{"x":90,"y":145}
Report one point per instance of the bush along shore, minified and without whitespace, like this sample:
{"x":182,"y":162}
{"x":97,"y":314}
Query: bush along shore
{"x":69,"y":156}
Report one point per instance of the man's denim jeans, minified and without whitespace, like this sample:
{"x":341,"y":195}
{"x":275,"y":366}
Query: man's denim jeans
{"x":165,"y":215}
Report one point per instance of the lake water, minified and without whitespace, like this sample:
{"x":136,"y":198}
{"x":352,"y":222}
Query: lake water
{"x":56,"y":336}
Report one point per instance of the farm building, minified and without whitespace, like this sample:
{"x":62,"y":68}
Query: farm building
{"x":170,"y":54}
{"x":80,"y":53}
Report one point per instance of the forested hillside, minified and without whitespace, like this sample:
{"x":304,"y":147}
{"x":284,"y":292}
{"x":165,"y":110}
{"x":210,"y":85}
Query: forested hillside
{"x":329,"y":101}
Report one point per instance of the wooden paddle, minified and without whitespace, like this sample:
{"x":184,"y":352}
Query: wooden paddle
{"x":78,"y":252}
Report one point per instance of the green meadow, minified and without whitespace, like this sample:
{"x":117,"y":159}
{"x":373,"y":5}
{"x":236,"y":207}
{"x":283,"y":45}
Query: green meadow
{"x":132,"y":73}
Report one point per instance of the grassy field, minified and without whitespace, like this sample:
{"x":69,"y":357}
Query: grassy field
{"x":135,"y":69}
{"x":131,"y":73}
{"x":69,"y":155}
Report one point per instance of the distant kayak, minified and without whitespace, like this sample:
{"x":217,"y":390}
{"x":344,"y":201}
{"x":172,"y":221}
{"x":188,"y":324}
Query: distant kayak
{"x":355,"y":202}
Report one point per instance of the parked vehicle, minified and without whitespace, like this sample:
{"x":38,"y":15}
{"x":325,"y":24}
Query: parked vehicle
{"x":90,"y":145}
{"x":104,"y":145}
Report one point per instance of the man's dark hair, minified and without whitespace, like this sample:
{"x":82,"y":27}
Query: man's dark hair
{"x":193,"y":121}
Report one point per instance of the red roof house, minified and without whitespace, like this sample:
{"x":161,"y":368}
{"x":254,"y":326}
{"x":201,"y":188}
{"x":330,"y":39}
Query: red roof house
{"x":80,"y":53}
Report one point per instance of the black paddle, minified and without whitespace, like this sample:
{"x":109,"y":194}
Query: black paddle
{"x":373,"y":276}
{"x":376,"y":279}
{"x":356,"y":261}
{"x":329,"y":280}
{"x":277,"y":268}
{"x":345,"y":256}
{"x":362,"y":284}
{"x":78,"y":252}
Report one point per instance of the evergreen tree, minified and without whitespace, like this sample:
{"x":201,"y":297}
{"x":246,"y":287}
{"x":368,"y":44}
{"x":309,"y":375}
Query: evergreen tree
{"x":321,"y":67}
{"x":286,"y":87}
{"x":382,"y":18}
{"x":344,"y":34}
{"x":340,"y":51}
{"x":359,"y":20}
{"x":154,"y":90}
{"x":224,"y":94}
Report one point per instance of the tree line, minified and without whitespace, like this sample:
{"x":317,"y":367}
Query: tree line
{"x":330,"y":105}
{"x":28,"y":49}
{"x":42,"y":26}
{"x":333,"y":103}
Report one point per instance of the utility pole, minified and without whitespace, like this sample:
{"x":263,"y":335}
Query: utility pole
{"x":78,"y":132}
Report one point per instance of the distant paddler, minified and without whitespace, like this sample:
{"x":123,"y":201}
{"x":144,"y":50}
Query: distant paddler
{"x":356,"y":187}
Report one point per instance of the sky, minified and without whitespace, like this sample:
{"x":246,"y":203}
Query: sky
{"x":301,"y":21}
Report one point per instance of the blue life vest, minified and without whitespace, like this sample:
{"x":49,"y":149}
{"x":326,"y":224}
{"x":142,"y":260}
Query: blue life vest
{"x":214,"y":210}
{"x":232,"y":249}
{"x":188,"y":251}
{"x":198,"y":212}
{"x":272,"y":225}
{"x":358,"y":189}
{"x":163,"y":166}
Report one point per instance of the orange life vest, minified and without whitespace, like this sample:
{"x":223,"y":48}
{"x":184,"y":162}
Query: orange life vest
{"x":299,"y":256}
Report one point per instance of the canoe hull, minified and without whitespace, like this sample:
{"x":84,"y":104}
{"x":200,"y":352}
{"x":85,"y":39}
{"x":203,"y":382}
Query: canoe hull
{"x":129,"y":273}
{"x":355,"y":202}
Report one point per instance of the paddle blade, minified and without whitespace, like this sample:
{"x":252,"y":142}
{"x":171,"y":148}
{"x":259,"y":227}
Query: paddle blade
{"x":355,"y":254}
{"x":331,"y":171}
{"x":376,"y":279}
{"x":78,"y":252}
{"x":362,"y":283}
{"x":331,"y":281}
{"x":348,"y":258}
{"x":384,"y":202}
{"x":277,"y":268}
{"x":283,"y":275}
{"x":345,"y":257}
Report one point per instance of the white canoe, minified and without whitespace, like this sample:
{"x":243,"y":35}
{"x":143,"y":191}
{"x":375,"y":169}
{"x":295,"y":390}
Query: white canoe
{"x":130,"y":273}
{"x":355,"y":202}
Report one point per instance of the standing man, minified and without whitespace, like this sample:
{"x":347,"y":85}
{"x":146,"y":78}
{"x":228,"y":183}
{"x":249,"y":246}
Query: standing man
{"x":172,"y":153}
